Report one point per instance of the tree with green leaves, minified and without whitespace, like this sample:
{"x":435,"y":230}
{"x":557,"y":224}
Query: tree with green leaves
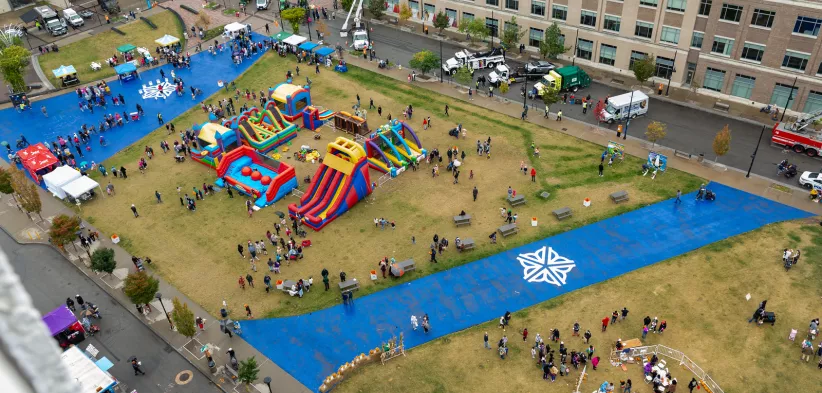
{"x":346,"y":5}
{"x":722,"y":142}
{"x":644,"y":68}
{"x":64,"y":230}
{"x":248,"y":371}
{"x":295,"y":16}
{"x":102,"y":260}
{"x":656,"y":131}
{"x":376,"y":8}
{"x":550,"y":97}
{"x":475,"y":29}
{"x":553,"y":44}
{"x":405,"y":12}
{"x":504,"y":87}
{"x":140,"y":287}
{"x":512,"y":34}
{"x":183,"y":318}
{"x":424,"y":61}
{"x":28,"y":195}
{"x":13,"y":61}
{"x":441,"y":21}
{"x":5,"y":183}
{"x":464,"y":76}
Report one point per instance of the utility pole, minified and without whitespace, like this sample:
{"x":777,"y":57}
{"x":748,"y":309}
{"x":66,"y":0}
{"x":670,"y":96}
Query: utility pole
{"x":440,"y":58}
{"x":628,"y":118}
{"x":670,"y":74}
{"x":790,"y":97}
{"x":492,"y":31}
{"x":574,"y":59}
{"x":753,"y":156}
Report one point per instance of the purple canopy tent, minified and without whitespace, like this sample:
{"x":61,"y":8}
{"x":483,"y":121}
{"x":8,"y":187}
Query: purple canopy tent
{"x":59,"y":319}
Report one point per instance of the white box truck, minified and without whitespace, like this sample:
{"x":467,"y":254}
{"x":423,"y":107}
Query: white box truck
{"x":72,"y":18}
{"x":263,"y":4}
{"x":626,"y":105}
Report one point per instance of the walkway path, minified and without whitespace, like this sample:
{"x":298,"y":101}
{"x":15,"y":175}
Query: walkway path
{"x":310,"y":347}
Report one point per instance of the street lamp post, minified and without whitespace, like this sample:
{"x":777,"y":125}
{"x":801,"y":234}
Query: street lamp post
{"x":670,"y":74}
{"x":790,"y":97}
{"x":310,"y":11}
{"x":525,"y":95}
{"x":440,"y":59}
{"x":753,"y":156}
{"x":628,"y":118}
{"x":267,"y":381}
{"x":159,"y":297}
{"x":280,"y":14}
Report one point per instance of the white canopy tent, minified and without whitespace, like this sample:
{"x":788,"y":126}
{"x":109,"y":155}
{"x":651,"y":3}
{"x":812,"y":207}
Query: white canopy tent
{"x":234,"y":28}
{"x":87,"y":376}
{"x":167,"y":40}
{"x":80,"y":186}
{"x":295,"y":40}
{"x":60,"y":176}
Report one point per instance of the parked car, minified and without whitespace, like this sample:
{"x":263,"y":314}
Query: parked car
{"x":811,"y":180}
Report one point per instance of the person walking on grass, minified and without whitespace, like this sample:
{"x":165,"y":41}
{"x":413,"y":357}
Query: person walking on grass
{"x":475,"y":192}
{"x":604,"y":324}
{"x":248,"y":309}
{"x":533,"y":175}
{"x":240,"y":250}
{"x":446,"y":110}
{"x":241,"y":282}
{"x":134,"y":210}
{"x":158,"y":196}
{"x":587,"y":336}
{"x":485,"y":340}
{"x":250,"y":280}
{"x":601,"y":168}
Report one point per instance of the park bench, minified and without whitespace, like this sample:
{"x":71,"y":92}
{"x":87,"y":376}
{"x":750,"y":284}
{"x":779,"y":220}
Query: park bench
{"x":563,"y":213}
{"x":407,"y":266}
{"x":462,"y":220}
{"x":508,"y":229}
{"x":619,"y":196}
{"x":467,"y":244}
{"x":516,"y":200}
{"x":349,"y":285}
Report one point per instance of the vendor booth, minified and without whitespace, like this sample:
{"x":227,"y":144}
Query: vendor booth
{"x":58,"y":178}
{"x":324,"y":53}
{"x":88,"y":374}
{"x":67,"y":75}
{"x":81,"y":189}
{"x":294,"y":41}
{"x":308,"y":46}
{"x":64,"y":327}
{"x":233,"y":29}
{"x":167,"y":40}
{"x":127,"y":51}
{"x":279,"y":37}
{"x":126,"y":72}
{"x":38,"y":161}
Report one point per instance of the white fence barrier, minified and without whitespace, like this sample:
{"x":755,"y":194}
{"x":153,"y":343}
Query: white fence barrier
{"x":618,"y":357}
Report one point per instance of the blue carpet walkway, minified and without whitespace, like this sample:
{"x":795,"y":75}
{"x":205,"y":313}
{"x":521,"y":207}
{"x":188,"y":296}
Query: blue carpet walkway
{"x":312,"y":346}
{"x":65,"y":117}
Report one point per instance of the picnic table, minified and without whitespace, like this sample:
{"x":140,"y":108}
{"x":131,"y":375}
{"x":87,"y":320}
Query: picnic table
{"x":288,"y":285}
{"x":619,"y":196}
{"x":467,"y":244}
{"x":508,"y":229}
{"x":563,"y":213}
{"x":462,"y":220}
{"x":516,"y":200}
{"x":349,"y":285}
{"x":407,"y":265}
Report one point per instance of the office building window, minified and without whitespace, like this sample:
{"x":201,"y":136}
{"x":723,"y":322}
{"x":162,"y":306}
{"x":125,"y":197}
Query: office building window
{"x":819,"y":70}
{"x":467,"y":16}
{"x":611,"y":23}
{"x":537,"y":7}
{"x":677,"y":5}
{"x":743,"y":86}
{"x":607,"y":54}
{"x":664,"y":67}
{"x":705,"y":7}
{"x":649,"y":3}
{"x":452,"y":17}
{"x":669,"y":35}
{"x":814,"y":102}
{"x":722,"y":46}
{"x":559,"y":12}
{"x":495,"y":3}
{"x":763,"y":18}
{"x":730,"y":12}
{"x":585,"y":49}
{"x":644,"y":29}
{"x":588,"y":18}
{"x":752,"y":52}
{"x":696,"y":39}
{"x":562,"y":40}
{"x":807,"y":26}
{"x":634,"y":57}
{"x":714,"y":79}
{"x":783,"y":96}
{"x":534,"y":37}
{"x":493,"y":26}
{"x":512,"y":4}
{"x":795,"y":60}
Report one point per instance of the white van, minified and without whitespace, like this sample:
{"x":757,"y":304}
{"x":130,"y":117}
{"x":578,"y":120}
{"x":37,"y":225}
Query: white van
{"x":263,"y":4}
{"x":629,"y":104}
{"x":72,"y":18}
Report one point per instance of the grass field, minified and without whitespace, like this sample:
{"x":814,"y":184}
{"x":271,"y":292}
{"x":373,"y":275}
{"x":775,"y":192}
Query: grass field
{"x":700,"y":294}
{"x":104,"y":45}
{"x":196,"y":252}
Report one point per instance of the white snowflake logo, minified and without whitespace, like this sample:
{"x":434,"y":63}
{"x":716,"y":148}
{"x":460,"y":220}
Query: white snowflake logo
{"x":545,"y":265}
{"x":160,"y":90}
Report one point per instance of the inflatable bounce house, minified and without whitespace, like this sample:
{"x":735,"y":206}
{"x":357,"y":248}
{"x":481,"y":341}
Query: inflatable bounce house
{"x":255,"y":174}
{"x":263,"y":130}
{"x":393,"y":147}
{"x":340,"y":182}
{"x":350,"y":124}
{"x":294,"y":103}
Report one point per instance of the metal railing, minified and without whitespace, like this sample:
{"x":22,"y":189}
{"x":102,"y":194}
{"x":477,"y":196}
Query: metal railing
{"x":617,"y":357}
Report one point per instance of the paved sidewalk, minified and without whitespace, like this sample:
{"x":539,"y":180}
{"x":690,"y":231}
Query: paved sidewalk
{"x":757,"y":185}
{"x":25,"y":230}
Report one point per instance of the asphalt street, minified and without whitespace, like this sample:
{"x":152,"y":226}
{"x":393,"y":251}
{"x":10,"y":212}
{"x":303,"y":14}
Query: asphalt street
{"x":689,"y":130}
{"x":49,"y":279}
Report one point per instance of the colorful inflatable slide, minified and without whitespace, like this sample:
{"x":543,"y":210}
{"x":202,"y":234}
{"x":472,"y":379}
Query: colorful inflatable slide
{"x":263,"y":130}
{"x":294,"y":103}
{"x":340,"y":182}
{"x":392,"y":147}
{"x":255,"y":174}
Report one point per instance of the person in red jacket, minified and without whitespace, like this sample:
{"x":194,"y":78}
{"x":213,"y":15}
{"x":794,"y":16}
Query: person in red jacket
{"x":605,"y":323}
{"x":533,"y":175}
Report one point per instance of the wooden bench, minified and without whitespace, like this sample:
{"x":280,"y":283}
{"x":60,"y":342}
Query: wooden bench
{"x":467,"y":244}
{"x":462,"y":220}
{"x":407,"y":266}
{"x":349,"y":285}
{"x":508,"y":229}
{"x":619,"y":196}
{"x":516,"y":200}
{"x":563,"y":213}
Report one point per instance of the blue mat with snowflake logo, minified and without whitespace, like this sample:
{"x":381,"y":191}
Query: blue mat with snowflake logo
{"x":312,"y":346}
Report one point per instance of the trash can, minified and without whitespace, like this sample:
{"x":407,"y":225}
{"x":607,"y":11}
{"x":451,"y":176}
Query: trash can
{"x":701,"y":158}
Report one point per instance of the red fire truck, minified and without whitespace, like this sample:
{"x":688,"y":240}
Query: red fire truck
{"x":798,"y":136}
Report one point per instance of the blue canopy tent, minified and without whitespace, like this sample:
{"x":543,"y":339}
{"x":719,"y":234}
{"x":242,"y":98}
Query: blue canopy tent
{"x":126,"y":72}
{"x":308,"y":46}
{"x":324,"y":52}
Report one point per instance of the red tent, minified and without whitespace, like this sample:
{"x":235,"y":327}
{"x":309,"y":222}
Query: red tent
{"x":38,"y":160}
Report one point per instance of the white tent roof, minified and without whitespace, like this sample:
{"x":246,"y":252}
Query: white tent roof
{"x":234,"y":27}
{"x":295,"y":40}
{"x":80,"y":186}
{"x":60,"y":176}
{"x":167,"y":40}
{"x":87,"y":376}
